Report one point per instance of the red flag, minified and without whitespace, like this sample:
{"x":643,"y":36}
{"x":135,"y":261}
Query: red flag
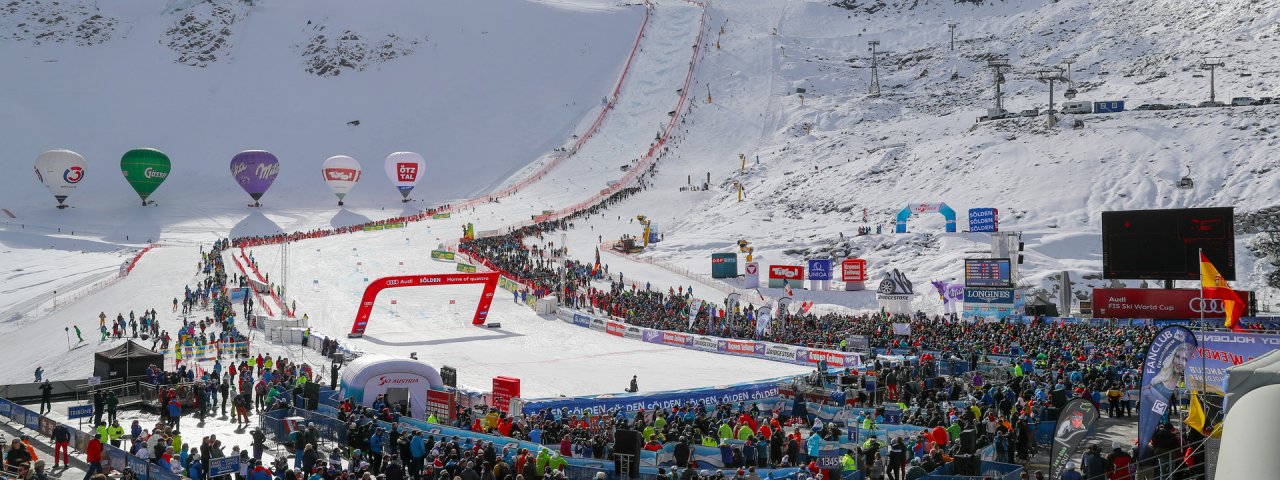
{"x":1212,"y":285}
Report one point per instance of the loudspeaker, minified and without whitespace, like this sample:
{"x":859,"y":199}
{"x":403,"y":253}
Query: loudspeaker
{"x":311,"y":393}
{"x":627,"y":442}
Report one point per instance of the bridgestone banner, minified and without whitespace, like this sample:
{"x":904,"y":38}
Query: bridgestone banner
{"x":1074,"y":423}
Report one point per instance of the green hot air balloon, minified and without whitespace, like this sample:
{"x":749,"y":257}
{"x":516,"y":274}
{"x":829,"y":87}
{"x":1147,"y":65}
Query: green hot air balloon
{"x":145,"y":169}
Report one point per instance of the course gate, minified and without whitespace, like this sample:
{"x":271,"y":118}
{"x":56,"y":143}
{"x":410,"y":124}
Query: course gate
{"x":490,"y":281}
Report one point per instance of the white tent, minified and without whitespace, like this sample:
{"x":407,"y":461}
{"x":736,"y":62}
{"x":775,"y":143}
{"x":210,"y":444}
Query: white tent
{"x":1243,"y":378}
{"x":371,"y":375}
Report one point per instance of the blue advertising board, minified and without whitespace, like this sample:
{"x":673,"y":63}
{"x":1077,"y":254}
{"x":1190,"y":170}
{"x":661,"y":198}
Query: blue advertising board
{"x":582,"y":320}
{"x":79,"y":411}
{"x":988,"y":295}
{"x":223,"y":466}
{"x":659,"y":400}
{"x":984,"y":220}
{"x":1222,"y":350}
{"x":820,"y":269}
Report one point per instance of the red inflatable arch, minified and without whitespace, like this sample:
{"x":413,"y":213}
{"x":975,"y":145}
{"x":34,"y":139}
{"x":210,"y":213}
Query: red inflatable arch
{"x":490,"y":281}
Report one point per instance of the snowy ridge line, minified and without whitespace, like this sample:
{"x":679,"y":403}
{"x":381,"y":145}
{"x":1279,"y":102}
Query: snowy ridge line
{"x":558,"y":158}
{"x":283,"y":308}
{"x":650,"y":157}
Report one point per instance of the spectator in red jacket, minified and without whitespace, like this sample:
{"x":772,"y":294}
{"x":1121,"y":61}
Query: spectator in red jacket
{"x":93,"y":456}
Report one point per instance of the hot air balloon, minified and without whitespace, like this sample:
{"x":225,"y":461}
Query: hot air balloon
{"x":255,"y":170}
{"x":341,"y":173}
{"x":145,"y":169}
{"x":404,"y":169}
{"x":60,"y":171}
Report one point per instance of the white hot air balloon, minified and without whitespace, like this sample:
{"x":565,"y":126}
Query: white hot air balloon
{"x":405,"y":169}
{"x":341,"y":173}
{"x":60,"y":171}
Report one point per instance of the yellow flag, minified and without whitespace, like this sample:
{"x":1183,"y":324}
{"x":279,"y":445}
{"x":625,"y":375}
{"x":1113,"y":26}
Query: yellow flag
{"x":1195,"y":413}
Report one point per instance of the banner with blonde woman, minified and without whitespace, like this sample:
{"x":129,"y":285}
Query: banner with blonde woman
{"x":1162,"y":370}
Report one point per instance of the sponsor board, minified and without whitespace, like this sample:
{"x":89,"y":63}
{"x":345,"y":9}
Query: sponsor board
{"x":786,"y":272}
{"x":989,"y":295}
{"x":466,"y":268}
{"x":820,"y":269}
{"x":984,"y":220}
{"x":582,"y":320}
{"x":781,"y":353}
{"x":736,"y":347}
{"x":615,"y":329}
{"x":718,"y":395}
{"x":384,"y":226}
{"x":442,"y":255}
{"x":853,"y":270}
{"x":599,"y":325}
{"x":1157,"y":303}
{"x":633,"y":332}
{"x":710,"y":344}
{"x":439,"y":216}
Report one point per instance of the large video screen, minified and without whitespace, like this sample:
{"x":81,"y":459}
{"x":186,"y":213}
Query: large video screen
{"x":987,"y":273}
{"x":1166,"y":244}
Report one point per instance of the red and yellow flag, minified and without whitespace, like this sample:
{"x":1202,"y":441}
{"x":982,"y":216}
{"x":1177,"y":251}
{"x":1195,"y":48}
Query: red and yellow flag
{"x":1215,"y":287}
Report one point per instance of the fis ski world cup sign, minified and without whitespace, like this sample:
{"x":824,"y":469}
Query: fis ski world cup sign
{"x":1157,"y":303}
{"x":984,"y":220}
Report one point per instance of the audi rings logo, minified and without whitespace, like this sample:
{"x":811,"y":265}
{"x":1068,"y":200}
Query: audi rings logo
{"x":1206,"y":305}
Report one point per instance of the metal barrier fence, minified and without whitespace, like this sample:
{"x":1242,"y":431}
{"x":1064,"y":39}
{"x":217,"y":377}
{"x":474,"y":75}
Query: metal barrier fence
{"x":278,"y":424}
{"x":120,"y":460}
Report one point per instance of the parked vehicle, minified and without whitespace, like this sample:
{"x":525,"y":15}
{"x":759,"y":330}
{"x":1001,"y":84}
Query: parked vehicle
{"x":1111,"y":106}
{"x":1211,"y":103}
{"x":1077,"y":107}
{"x":1161,"y":106}
{"x":1242,"y":101}
{"x":1181,"y":106}
{"x":1030,"y":113}
{"x":1264,"y":101}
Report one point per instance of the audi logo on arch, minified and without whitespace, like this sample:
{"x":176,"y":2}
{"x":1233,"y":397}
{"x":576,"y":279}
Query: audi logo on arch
{"x":1207,"y":305}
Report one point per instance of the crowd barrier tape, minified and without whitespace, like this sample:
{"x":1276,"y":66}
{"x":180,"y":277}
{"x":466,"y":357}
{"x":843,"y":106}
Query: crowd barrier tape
{"x":134,"y":260}
{"x":283,"y":308}
{"x":776,"y":352}
{"x":260,"y":303}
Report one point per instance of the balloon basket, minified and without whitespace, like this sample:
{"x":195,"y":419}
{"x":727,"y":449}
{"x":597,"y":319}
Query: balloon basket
{"x":61,"y":206}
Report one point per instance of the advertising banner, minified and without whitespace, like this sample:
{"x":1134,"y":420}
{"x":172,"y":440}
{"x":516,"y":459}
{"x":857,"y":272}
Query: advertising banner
{"x":633,"y":332}
{"x":736,"y":347}
{"x":751,"y":276}
{"x":466,"y":268}
{"x":853,"y":270}
{"x":439,"y":216}
{"x":820,"y":269}
{"x":1222,"y":350}
{"x":779,"y":274}
{"x":901,"y":328}
{"x":780,"y":353}
{"x":952,"y":294}
{"x":1163,"y":368}
{"x":599,"y":325}
{"x":505,"y":389}
{"x":984,"y":220}
{"x":858,"y":342}
{"x":616,"y":329}
{"x":1074,"y":422}
{"x":582,"y":320}
{"x":1157,"y":303}
{"x":442,"y":255}
{"x":709,"y":344}
{"x":440,"y":403}
{"x":657,"y":401}
{"x":724,"y":265}
{"x":989,"y":295}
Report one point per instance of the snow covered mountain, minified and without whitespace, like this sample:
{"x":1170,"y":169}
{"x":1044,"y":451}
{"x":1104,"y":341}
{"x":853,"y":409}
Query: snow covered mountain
{"x":487,"y":90}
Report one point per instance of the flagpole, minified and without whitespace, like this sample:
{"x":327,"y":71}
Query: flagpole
{"x":1204,"y":379}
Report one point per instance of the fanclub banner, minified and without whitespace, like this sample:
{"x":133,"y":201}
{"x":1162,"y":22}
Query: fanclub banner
{"x":1074,"y":423}
{"x":1163,"y":369}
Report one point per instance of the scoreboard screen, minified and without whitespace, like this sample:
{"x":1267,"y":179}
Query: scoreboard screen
{"x":987,"y":273}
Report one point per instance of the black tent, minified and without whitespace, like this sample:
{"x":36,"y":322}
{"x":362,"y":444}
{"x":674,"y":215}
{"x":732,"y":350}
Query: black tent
{"x":128,"y":357}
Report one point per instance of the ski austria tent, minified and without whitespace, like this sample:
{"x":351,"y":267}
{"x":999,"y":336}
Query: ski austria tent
{"x":399,"y":378}
{"x":128,"y":358}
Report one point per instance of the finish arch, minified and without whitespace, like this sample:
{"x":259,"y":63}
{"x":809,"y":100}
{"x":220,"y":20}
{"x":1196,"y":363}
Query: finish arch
{"x":490,"y":281}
